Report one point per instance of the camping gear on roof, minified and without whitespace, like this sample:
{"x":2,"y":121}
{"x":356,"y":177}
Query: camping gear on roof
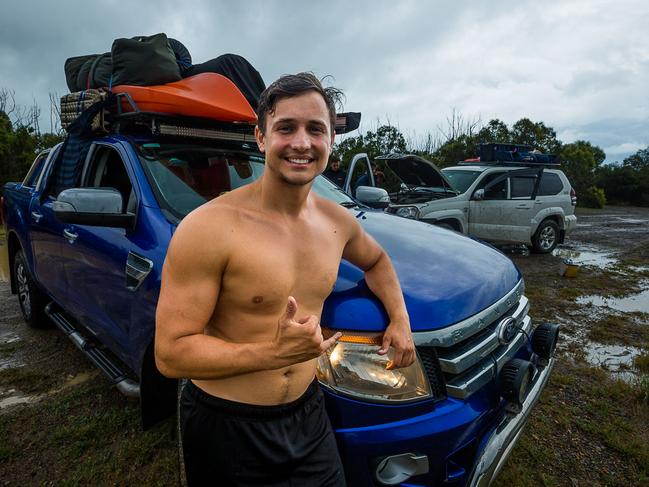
{"x":207,"y":95}
{"x":144,"y":61}
{"x":238,"y":70}
{"x":74,"y":104}
{"x":95,"y":70}
{"x":85,"y":72}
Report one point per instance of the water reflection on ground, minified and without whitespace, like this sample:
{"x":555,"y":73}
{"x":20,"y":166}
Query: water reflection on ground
{"x":582,"y":254}
{"x":635,"y":303}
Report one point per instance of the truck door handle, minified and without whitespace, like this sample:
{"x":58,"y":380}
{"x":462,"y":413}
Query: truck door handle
{"x":36,"y":216}
{"x":70,"y":236}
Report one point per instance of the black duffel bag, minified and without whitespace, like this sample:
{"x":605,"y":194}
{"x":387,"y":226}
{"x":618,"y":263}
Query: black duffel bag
{"x":86,"y":72}
{"x":95,"y":70}
{"x":144,"y":61}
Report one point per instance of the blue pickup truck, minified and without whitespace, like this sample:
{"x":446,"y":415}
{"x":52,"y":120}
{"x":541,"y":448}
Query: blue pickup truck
{"x":86,"y":253}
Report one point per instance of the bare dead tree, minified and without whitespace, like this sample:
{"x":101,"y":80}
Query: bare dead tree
{"x":55,"y":113}
{"x":457,"y":125}
{"x":423,"y":144}
{"x":7,"y":101}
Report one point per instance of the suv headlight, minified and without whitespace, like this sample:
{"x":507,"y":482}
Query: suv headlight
{"x":353,"y":367}
{"x":408,"y":212}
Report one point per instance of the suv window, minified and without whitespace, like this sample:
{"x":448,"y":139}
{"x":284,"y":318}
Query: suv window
{"x":522,"y":187}
{"x":107,"y":170}
{"x":493,"y":189}
{"x":550,"y":184}
{"x":35,"y":170}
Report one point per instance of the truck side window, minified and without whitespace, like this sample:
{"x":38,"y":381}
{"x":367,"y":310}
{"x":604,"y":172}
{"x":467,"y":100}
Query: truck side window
{"x":35,"y":170}
{"x":107,"y":170}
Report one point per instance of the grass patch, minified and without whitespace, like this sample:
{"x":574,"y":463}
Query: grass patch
{"x":89,"y":435}
{"x":619,"y":329}
{"x":641,"y":362}
{"x":583,"y":414}
{"x":26,"y":379}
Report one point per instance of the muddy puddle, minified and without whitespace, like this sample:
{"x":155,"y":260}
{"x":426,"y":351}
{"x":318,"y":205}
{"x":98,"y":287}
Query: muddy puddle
{"x":582,"y":254}
{"x":616,"y":359}
{"x":634,"y":303}
{"x":13,"y":398}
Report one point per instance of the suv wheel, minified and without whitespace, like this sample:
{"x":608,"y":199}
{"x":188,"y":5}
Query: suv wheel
{"x":546,"y":237}
{"x":32,"y":300}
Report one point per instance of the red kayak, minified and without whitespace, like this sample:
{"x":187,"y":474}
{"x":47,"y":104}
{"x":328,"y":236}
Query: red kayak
{"x":206,"y":95}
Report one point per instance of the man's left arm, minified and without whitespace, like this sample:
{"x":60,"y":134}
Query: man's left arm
{"x":363,"y":251}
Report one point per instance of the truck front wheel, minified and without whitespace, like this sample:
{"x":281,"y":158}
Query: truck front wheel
{"x":32,"y":300}
{"x":546,"y":237}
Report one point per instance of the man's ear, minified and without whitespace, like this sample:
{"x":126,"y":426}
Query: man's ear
{"x":259,"y":136}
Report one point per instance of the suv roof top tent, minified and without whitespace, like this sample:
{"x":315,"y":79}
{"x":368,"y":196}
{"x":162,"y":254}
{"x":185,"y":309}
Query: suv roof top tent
{"x":498,"y":154}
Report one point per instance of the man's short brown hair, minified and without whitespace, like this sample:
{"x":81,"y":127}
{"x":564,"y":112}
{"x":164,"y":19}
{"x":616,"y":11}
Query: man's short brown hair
{"x":291,"y":85}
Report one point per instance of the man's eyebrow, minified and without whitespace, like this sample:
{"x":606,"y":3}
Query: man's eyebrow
{"x":293,"y":120}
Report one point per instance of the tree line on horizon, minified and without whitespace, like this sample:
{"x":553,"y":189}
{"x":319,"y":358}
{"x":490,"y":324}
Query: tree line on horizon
{"x":621,"y":183}
{"x":625,"y":183}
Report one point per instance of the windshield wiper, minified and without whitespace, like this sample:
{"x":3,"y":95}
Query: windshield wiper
{"x":348,"y":204}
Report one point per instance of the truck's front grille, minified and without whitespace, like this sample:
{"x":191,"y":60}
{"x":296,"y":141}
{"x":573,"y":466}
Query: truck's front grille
{"x":429,"y":359}
{"x":471,"y":353}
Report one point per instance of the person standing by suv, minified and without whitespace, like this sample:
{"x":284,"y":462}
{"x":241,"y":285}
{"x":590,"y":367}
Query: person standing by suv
{"x":335,"y":173}
{"x":243,"y":287}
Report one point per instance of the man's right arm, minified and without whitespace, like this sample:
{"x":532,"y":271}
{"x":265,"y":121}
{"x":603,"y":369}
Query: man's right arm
{"x":191,"y":279}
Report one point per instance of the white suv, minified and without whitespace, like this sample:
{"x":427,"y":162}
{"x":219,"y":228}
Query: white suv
{"x":524,"y":203}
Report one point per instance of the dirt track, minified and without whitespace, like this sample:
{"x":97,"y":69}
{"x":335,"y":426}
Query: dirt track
{"x":62,"y":423}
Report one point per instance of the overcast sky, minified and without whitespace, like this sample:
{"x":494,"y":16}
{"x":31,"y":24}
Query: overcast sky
{"x":579,"y":66}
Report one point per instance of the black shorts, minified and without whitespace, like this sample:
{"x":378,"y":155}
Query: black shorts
{"x":231,"y":443}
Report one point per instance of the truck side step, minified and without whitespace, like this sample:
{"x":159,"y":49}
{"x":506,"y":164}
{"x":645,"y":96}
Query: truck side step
{"x":100,"y":358}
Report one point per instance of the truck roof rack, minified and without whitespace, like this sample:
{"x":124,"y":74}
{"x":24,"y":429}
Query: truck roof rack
{"x":499,"y":154}
{"x":137,"y":121}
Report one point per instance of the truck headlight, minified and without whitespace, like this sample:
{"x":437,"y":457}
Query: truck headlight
{"x":408,"y":212}
{"x":353,"y":367}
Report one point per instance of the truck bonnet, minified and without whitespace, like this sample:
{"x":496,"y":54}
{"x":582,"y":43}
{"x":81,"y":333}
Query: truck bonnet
{"x":445,"y":277}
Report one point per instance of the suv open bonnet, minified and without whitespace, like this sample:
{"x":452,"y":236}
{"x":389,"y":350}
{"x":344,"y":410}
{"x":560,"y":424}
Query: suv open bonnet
{"x":415,"y":171}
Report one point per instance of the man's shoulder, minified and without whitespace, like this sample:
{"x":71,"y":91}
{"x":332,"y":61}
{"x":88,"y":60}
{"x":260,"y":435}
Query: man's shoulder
{"x":332,"y":209}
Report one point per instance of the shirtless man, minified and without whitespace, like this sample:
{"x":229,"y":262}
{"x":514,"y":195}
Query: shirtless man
{"x":242,"y":292}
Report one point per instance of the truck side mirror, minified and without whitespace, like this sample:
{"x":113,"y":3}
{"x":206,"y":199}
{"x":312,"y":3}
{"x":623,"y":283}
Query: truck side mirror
{"x":99,"y":207}
{"x":373,"y":197}
{"x":478,"y":195}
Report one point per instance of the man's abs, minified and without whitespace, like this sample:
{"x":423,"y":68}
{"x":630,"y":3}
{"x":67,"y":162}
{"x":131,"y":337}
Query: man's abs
{"x":266,"y":387}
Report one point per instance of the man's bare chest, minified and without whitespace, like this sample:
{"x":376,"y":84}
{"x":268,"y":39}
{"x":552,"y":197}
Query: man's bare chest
{"x":268,"y":264}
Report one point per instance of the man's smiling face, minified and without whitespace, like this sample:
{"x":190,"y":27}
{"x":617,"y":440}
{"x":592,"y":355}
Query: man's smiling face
{"x":298,"y":138}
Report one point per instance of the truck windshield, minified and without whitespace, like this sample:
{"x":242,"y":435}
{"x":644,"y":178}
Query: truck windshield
{"x":184,"y":176}
{"x":460,"y":179}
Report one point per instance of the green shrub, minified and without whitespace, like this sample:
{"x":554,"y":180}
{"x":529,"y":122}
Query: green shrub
{"x":593,"y":197}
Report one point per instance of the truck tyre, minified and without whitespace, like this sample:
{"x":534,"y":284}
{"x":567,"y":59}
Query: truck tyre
{"x":546,"y":237}
{"x":31,"y":299}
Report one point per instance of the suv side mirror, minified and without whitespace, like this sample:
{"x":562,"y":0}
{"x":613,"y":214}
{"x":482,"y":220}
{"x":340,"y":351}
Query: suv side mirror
{"x":99,"y":207}
{"x":373,"y":197}
{"x":478,"y":195}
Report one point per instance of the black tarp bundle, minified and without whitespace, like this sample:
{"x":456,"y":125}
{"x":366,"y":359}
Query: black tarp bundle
{"x":238,"y":70}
